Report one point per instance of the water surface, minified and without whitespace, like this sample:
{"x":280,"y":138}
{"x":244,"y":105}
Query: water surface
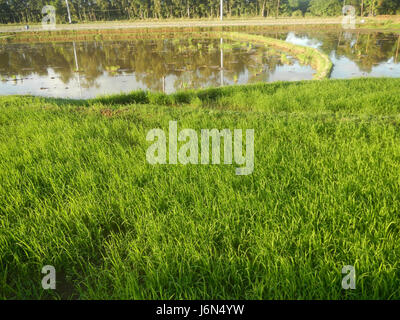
{"x":353,"y":53}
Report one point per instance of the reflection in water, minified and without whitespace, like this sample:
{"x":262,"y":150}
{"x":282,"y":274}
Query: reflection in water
{"x":88,"y":69}
{"x":354,"y":54}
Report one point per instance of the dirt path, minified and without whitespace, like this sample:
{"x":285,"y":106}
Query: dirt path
{"x":177,"y":24}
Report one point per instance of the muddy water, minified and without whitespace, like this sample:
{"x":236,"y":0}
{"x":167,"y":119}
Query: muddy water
{"x":353,"y":53}
{"x":89,"y":69}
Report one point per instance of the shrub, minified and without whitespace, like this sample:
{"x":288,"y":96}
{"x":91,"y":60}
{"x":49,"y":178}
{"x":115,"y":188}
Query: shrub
{"x":297,"y":13}
{"x":160,"y":98}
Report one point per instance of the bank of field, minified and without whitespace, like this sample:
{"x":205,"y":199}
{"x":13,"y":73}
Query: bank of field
{"x":77,"y":193}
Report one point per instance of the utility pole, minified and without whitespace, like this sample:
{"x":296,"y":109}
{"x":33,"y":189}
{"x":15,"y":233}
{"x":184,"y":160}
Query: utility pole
{"x":77,"y":69}
{"x":221,"y":11}
{"x":222,"y":63}
{"x":69,"y":13}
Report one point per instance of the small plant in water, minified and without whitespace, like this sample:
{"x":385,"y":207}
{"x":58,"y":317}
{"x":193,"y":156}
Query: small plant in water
{"x":285,"y":59}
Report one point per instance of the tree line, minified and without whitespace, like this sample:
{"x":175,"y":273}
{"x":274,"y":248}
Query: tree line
{"x":30,"y":11}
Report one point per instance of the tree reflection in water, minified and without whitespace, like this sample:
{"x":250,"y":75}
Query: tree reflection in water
{"x":176,"y":64}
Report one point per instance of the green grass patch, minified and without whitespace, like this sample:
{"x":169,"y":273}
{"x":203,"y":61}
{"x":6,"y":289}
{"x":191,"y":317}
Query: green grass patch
{"x":77,"y":193}
{"x":97,"y":33}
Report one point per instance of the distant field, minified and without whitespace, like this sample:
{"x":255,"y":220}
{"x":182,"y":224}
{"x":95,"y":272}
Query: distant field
{"x":379,"y":22}
{"x":170,"y":23}
{"x":78,"y":194}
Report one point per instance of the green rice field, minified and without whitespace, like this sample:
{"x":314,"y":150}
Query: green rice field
{"x":77,"y":193}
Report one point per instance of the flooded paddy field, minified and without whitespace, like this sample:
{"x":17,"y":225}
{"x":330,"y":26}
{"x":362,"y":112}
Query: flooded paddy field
{"x":353,"y":53}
